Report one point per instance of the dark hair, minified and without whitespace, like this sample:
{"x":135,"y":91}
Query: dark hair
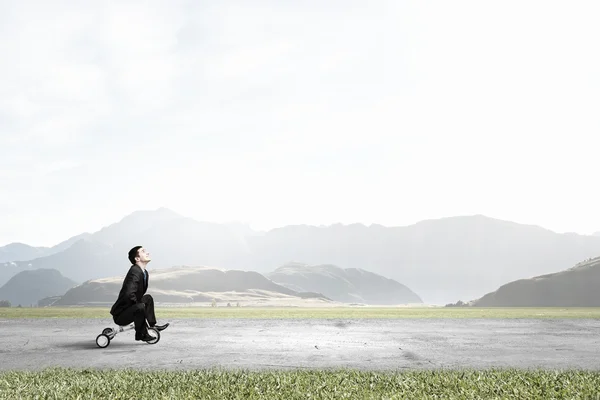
{"x":133,"y":253}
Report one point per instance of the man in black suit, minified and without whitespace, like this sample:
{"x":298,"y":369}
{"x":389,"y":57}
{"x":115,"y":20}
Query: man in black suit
{"x":133,"y":304}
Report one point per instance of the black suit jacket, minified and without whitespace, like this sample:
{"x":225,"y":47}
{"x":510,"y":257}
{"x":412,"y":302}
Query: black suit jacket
{"x":132,"y":290}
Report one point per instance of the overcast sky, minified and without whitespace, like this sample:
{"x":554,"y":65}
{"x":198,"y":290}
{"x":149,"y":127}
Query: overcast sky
{"x":310,"y":112}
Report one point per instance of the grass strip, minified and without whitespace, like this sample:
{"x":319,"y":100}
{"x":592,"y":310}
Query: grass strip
{"x":62,"y":383}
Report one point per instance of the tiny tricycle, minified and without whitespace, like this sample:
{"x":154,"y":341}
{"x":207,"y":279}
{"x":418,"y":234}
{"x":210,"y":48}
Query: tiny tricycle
{"x":108,"y":334}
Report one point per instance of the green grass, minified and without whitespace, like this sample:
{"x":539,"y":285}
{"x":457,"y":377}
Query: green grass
{"x":334,"y":312}
{"x":298,"y":384}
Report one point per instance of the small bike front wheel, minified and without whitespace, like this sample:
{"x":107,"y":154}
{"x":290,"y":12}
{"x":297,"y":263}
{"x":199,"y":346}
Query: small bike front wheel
{"x":154,"y":332}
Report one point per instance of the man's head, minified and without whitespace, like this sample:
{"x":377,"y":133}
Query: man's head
{"x":139,"y":255}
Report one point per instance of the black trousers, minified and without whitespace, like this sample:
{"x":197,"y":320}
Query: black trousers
{"x":138,"y":314}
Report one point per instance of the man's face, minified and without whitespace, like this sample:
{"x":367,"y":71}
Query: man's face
{"x":143,"y":255}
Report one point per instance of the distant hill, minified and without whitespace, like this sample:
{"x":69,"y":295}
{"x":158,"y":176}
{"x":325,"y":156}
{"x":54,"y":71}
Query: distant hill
{"x":83,"y":259}
{"x":43,"y":256}
{"x":350,"y":285}
{"x":25,"y":252}
{"x":187,"y":285}
{"x":130,"y":227}
{"x":574,"y":287}
{"x":27,"y":287}
{"x":442,"y":260}
{"x":62,"y":246}
{"x":10,"y":269}
{"x":21,"y":251}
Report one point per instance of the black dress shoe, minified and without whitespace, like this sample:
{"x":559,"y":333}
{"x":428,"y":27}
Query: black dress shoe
{"x":161,"y":327}
{"x":146,"y":337}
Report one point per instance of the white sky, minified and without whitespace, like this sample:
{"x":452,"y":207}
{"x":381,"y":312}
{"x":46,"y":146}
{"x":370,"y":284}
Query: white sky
{"x":273,"y":113}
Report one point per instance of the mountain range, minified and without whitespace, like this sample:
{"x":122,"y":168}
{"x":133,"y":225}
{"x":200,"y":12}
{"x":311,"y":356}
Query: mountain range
{"x":441,"y":260}
{"x":297,"y":285}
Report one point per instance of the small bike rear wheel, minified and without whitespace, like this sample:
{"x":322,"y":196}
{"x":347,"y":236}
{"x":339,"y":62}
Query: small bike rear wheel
{"x":102,"y":340}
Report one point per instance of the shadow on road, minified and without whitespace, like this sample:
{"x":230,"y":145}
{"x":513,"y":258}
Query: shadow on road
{"x":91,"y":345}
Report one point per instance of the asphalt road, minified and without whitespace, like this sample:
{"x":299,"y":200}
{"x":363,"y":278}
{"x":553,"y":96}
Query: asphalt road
{"x":390,"y":344}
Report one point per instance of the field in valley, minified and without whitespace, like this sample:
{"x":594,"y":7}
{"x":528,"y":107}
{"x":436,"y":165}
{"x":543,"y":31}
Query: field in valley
{"x":314,"y":312}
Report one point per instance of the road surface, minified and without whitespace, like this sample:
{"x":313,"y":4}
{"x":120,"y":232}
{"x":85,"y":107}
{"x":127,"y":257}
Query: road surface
{"x":258,"y":344}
